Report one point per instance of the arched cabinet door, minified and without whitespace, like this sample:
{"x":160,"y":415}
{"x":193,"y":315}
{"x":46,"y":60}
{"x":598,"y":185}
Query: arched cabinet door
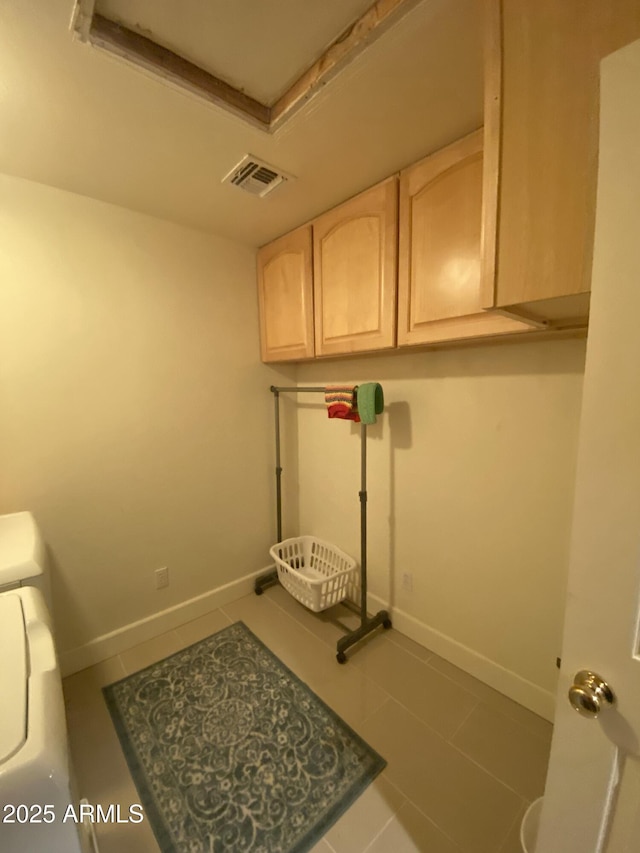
{"x":285,"y":294}
{"x":355,"y":257}
{"x":439,"y":276}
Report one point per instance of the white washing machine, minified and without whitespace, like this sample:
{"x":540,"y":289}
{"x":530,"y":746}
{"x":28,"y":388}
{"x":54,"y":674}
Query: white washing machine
{"x":36,"y":779}
{"x":22,"y":555}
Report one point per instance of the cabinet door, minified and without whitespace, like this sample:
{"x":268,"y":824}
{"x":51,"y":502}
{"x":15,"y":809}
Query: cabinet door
{"x":439,"y":277}
{"x":355,"y":251}
{"x":542,"y":107}
{"x":285,"y":294}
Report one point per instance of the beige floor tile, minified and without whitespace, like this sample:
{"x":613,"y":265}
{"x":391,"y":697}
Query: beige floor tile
{"x":492,"y":697}
{"x":352,"y":695}
{"x":322,"y":847}
{"x":260,"y":614}
{"x":512,"y":841}
{"x":408,"y":645}
{"x":411,"y":832}
{"x":443,"y":787}
{"x":310,"y":658}
{"x":151,"y":651}
{"x":83,"y":689}
{"x":509,"y":751}
{"x":99,"y":675}
{"x":125,"y":837}
{"x":328,"y":625}
{"x":343,"y":687}
{"x":366,"y":818}
{"x":203,"y":627}
{"x":464,"y":801}
{"x":114,"y":838}
{"x":95,"y":750}
{"x":436,"y":700}
{"x":97,"y":758}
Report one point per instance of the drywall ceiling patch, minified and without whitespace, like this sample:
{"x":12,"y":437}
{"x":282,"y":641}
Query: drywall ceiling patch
{"x":133,"y":44}
{"x":256,"y":177}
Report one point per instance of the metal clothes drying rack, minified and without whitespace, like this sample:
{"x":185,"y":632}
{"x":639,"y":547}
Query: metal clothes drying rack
{"x":367,"y":625}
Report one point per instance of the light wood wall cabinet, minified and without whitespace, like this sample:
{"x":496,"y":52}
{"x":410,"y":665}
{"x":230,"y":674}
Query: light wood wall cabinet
{"x":355,"y":281}
{"x":541,"y":126}
{"x":439,"y":276}
{"x":285,"y":295}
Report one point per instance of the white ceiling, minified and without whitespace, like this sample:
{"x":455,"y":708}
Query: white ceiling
{"x":82,"y":120}
{"x":259,"y":47}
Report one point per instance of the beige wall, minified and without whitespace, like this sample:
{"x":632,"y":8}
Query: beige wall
{"x":135,"y":418}
{"x":471,"y":476}
{"x":135,"y":423}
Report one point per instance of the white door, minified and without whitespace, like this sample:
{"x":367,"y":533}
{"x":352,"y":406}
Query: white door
{"x":592,"y":798}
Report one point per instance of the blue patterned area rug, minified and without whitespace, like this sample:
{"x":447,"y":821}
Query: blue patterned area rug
{"x":231,"y":752}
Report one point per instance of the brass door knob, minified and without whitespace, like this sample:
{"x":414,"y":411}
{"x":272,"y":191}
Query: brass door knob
{"x":590,"y":694}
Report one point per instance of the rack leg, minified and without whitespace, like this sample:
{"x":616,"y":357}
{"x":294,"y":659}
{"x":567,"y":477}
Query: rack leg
{"x":368,"y":625}
{"x":265,"y":581}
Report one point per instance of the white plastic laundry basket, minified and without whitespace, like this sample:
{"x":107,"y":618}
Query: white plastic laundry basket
{"x":314,"y":572}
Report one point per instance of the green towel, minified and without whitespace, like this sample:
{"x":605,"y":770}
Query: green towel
{"x":370,"y":401}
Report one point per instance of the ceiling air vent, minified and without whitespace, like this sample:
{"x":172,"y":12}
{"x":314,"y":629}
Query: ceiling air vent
{"x":255,"y":176}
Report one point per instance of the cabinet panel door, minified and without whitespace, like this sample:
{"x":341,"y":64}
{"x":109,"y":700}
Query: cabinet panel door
{"x":440,"y":295}
{"x":285,"y":293}
{"x":355,"y":273}
{"x":549,"y":53}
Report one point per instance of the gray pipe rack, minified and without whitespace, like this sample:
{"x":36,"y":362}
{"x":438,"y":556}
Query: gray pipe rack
{"x":367,"y":624}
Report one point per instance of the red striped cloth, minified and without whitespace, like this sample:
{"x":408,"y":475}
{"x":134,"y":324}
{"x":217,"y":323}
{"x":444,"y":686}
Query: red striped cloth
{"x":341,"y":402}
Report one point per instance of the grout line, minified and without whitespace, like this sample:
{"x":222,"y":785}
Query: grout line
{"x":391,"y":696}
{"x":424,"y":663}
{"x":458,"y":750}
{"x":416,"y":717}
{"x":389,"y":635}
{"x":317,"y":688}
{"x":209,"y":613}
{"x":387,"y":698}
{"x":429,"y":726}
{"x":543,"y":738}
{"x":489,"y":773}
{"x":519,"y":816}
{"x":176,"y":648}
{"x":224,"y":613}
{"x":465,"y":720}
{"x":477,"y":694}
{"x":468,"y":690}
{"x":352,"y":659}
{"x":331,"y":644}
{"x":373,"y":711}
{"x":122,"y":666}
{"x":433,"y":823}
{"x":378,"y":834}
{"x":398,"y":789}
{"x":297,"y":622}
{"x":438,"y":734}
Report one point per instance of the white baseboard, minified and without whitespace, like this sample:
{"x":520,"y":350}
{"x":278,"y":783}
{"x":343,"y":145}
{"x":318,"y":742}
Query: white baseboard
{"x":524,"y":692}
{"x":124,"y":638}
{"x":505,"y":681}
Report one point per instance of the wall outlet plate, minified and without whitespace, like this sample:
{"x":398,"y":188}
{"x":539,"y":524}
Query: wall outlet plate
{"x":162,"y":577}
{"x":407,"y":581}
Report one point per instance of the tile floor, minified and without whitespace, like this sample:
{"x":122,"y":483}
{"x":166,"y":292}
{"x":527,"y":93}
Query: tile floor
{"x":463,"y":761}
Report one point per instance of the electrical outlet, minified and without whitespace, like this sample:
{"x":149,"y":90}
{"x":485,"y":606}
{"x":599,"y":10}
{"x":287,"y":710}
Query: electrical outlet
{"x":162,"y":577}
{"x":407,"y":581}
